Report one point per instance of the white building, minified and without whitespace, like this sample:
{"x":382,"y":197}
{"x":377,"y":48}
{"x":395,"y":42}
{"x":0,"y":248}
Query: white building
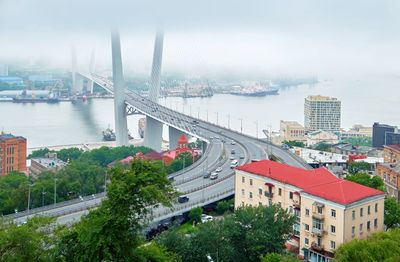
{"x":319,"y":136}
{"x":322,"y":112}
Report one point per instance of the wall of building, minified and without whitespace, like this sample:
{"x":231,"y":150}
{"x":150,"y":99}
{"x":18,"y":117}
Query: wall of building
{"x":13,"y":155}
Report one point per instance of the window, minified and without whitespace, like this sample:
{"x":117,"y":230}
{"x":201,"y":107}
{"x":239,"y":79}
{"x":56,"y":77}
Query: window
{"x":242,"y":192}
{"x":319,"y":210}
{"x":259,"y":203}
{"x":318,"y":224}
{"x":353,"y":214}
{"x":250,"y":195}
{"x":306,"y":241}
{"x":376,"y":207}
{"x":291,"y":195}
{"x":361,"y":228}
{"x":306,"y":227}
{"x":353,"y":230}
{"x":251,"y":182}
{"x":375,"y":222}
{"x":319,"y":241}
{"x":368,"y":225}
{"x":361,"y":212}
{"x":333,"y":212}
{"x":243,"y":179}
{"x":307,"y":212}
{"x":369,"y":210}
{"x":333,"y":229}
{"x":280,"y":191}
{"x":333,"y":244}
{"x":260,"y":191}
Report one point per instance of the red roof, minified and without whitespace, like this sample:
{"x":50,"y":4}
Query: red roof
{"x":393,"y":147}
{"x":318,"y":182}
{"x":182,"y":139}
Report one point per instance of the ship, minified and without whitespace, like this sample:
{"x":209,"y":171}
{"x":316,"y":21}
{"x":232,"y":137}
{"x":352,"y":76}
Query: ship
{"x":109,"y":135}
{"x":35,"y":100}
{"x":255,"y":90}
{"x":141,"y":125}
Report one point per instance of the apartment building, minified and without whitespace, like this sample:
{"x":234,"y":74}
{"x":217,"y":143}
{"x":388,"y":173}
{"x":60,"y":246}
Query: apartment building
{"x":291,"y":131}
{"x":329,"y":211}
{"x":322,"y":113}
{"x":12,"y":154}
{"x":390,"y":173}
{"x":391,"y":153}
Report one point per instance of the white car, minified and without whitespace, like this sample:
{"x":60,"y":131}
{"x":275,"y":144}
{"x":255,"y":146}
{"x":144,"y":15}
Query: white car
{"x":214,"y":176}
{"x":219,"y":169}
{"x":233,"y":142}
{"x":206,"y":218}
{"x":232,"y":157}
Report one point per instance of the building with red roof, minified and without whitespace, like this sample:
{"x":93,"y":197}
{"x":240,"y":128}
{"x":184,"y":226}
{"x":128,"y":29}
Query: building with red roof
{"x":329,"y":211}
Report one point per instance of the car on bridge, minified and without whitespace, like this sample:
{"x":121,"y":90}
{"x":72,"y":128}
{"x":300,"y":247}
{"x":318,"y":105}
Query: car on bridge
{"x":219,"y":169}
{"x":214,"y":176}
{"x":207,"y":174}
{"x":233,"y":142}
{"x":233,"y":151}
{"x":183,"y":199}
{"x":234,"y":163}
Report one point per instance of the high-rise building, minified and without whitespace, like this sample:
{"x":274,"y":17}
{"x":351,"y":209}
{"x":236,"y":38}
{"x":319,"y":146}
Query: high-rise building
{"x":322,"y":113}
{"x":329,"y":211}
{"x":12,"y":154}
{"x":380,"y":132}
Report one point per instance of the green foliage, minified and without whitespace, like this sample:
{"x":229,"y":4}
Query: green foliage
{"x":356,"y":167}
{"x":275,"y":257}
{"x":323,"y":147}
{"x":294,"y":143}
{"x":392,"y":213}
{"x":28,"y":242}
{"x":181,"y":161}
{"x":69,"y":154}
{"x":111,"y":232}
{"x":359,"y":141}
{"x":13,"y":192}
{"x":153,"y":253}
{"x":242,"y":236}
{"x":366,"y":180}
{"x":195,"y":214}
{"x":225,"y":206}
{"x":382,"y":246}
{"x":39,"y":153}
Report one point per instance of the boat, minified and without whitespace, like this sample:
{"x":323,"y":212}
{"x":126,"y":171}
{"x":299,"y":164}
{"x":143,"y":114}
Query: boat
{"x":35,"y":100}
{"x":109,"y":135}
{"x":141,"y":125}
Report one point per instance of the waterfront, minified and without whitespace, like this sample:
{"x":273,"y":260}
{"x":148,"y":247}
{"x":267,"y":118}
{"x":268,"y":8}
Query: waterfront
{"x":363,"y":101}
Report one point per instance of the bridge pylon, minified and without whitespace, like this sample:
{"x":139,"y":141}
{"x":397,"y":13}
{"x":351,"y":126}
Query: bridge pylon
{"x":153,"y":128}
{"x":121,"y":127}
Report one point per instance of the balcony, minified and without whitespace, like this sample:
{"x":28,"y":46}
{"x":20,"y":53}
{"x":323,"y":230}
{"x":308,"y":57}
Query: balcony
{"x":296,"y":203}
{"x":316,"y":247}
{"x":318,"y":231}
{"x":268,"y":194}
{"x":318,"y":216}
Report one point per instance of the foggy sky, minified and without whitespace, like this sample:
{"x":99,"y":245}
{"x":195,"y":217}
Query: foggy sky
{"x":204,"y":37}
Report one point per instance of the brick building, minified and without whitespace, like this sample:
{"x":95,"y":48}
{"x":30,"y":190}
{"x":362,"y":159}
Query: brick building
{"x":12,"y":154}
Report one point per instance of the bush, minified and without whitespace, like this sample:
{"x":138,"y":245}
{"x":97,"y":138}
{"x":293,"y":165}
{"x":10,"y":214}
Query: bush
{"x":195,"y":214}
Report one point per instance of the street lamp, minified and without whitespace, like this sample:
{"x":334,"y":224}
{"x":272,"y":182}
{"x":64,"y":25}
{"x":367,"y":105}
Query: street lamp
{"x":190,"y":108}
{"x":198,"y":112}
{"x":241,"y":125}
{"x":55,"y":190}
{"x":217,"y":117}
{"x":229,"y":121}
{"x":29,"y":194}
{"x":207,"y":114}
{"x":256,"y":122}
{"x":43,"y":193}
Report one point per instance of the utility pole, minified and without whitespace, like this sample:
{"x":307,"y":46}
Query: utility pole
{"x":55,"y":191}
{"x":256,"y":128}
{"x":43,"y":193}
{"x":207,"y":114}
{"x":229,"y":121}
{"x":198,"y":112}
{"x":241,"y":125}
{"x":217,"y":117}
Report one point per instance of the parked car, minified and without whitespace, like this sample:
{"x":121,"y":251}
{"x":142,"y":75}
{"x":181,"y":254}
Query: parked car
{"x":219,"y":169}
{"x":214,"y":175}
{"x":207,"y":174}
{"x":206,"y":218}
{"x":183,"y":199}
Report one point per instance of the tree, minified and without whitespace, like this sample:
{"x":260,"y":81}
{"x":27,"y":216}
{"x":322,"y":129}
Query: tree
{"x":392,"y":213}
{"x":152,"y":253}
{"x":13,"y":192}
{"x":293,"y":143}
{"x":382,"y":246}
{"x":244,"y":235}
{"x":225,"y":206}
{"x":356,"y":167}
{"x":28,"y":242}
{"x":359,"y":141}
{"x":366,"y":180}
{"x":323,"y":147}
{"x":69,"y":154}
{"x":112,"y":232}
{"x":39,"y":153}
{"x":275,"y":257}
{"x":195,"y":214}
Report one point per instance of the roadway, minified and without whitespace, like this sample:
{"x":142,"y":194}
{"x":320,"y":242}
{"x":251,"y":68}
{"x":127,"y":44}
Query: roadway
{"x":199,"y":190}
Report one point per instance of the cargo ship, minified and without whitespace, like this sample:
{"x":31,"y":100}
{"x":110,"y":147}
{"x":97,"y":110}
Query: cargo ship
{"x":256,"y":91}
{"x":141,"y":125}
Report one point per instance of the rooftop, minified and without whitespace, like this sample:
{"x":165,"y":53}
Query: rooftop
{"x":393,"y":147}
{"x":392,"y":166}
{"x":321,"y":98}
{"x":291,"y":123}
{"x":318,"y":182}
{"x":4,"y":136}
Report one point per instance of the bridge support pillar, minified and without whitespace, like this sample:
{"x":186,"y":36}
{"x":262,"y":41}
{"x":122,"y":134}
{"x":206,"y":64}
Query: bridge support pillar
{"x":153,"y":134}
{"x":121,"y":127}
{"x":174,"y":135}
